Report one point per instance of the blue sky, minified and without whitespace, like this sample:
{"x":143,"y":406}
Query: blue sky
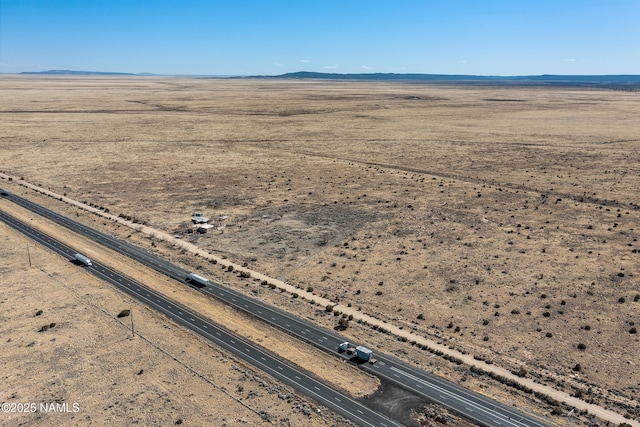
{"x":248,"y":37}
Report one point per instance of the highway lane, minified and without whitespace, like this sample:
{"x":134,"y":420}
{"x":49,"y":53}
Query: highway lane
{"x":475,"y":407}
{"x":288,"y":374}
{"x":111,"y":242}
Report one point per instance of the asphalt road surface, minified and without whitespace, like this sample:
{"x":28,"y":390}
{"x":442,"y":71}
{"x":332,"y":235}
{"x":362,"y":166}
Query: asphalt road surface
{"x":475,"y":407}
{"x":288,"y":374}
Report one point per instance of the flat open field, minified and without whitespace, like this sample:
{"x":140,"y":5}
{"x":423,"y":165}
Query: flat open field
{"x":500,"y":220}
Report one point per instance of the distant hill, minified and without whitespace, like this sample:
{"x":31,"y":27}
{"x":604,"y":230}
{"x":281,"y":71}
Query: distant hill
{"x":549,"y":79}
{"x":84,"y":73}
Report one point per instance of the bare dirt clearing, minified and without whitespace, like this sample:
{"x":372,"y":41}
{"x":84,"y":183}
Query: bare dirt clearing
{"x":502,"y":221}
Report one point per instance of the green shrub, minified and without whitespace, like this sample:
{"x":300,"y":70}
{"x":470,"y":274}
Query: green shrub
{"x":124,"y":313}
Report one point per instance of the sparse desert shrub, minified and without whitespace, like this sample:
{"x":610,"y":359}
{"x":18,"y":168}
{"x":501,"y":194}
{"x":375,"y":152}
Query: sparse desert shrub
{"x":633,"y":330}
{"x":245,"y":274}
{"x":38,"y":313}
{"x":230,"y":268}
{"x":546,"y":314}
{"x":328,"y":308}
{"x":124,"y":313}
{"x":522,"y":372}
{"x":582,"y":346}
{"x":310,"y":289}
{"x":577,"y":368}
{"x":621,"y":300}
{"x":636,"y":298}
{"x":420,"y":316}
{"x":549,"y":335}
{"x":379,"y":293}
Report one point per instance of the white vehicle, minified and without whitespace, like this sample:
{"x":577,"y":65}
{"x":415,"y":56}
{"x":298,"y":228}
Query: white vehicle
{"x":361,"y":353}
{"x":199,"y":280}
{"x":83,"y":259}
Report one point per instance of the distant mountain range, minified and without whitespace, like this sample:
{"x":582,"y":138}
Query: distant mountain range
{"x":618,"y":80}
{"x":539,"y":79}
{"x":84,"y":73}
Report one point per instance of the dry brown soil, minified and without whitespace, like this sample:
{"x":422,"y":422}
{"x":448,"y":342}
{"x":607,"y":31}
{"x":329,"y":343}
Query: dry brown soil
{"x":502,"y":221}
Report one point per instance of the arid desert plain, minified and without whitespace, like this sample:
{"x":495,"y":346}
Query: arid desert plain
{"x":499,"y":221}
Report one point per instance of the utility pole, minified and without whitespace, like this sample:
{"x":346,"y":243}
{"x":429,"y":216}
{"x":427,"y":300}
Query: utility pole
{"x":133,"y":334}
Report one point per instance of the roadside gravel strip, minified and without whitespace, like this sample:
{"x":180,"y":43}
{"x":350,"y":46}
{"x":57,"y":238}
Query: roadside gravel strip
{"x":468,"y":359}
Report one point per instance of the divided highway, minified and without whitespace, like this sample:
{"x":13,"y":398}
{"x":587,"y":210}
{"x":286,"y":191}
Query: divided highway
{"x":288,"y":374}
{"x":473,"y":406}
